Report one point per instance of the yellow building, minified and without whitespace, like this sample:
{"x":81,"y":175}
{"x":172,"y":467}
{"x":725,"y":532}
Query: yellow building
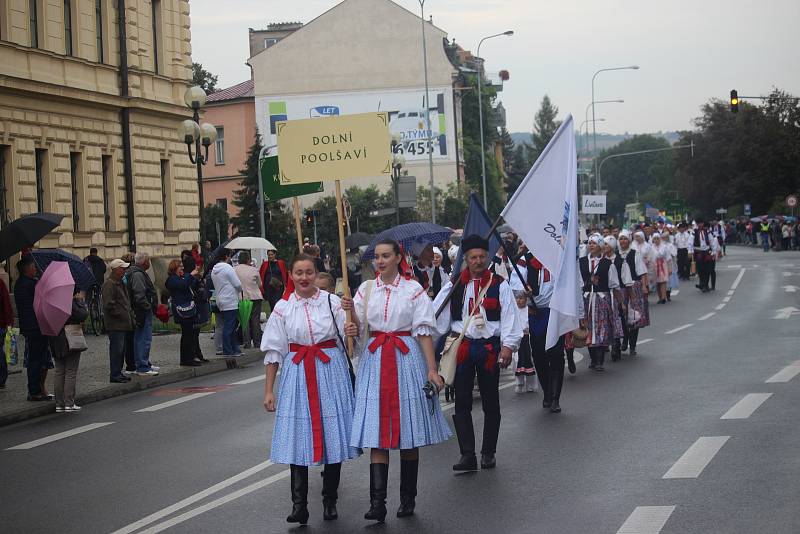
{"x":88,"y":122}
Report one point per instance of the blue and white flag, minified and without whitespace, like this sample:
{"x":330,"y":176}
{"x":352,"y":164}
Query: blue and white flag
{"x":544,"y":213}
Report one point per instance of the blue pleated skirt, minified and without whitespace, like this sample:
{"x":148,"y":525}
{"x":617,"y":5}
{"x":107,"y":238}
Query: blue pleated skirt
{"x":418,"y":426}
{"x":292,"y":437}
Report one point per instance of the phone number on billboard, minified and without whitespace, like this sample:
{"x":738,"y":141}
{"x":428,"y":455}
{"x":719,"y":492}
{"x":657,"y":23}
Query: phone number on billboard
{"x":414,"y":148}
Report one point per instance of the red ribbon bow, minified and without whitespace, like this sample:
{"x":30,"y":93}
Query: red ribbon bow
{"x":308,"y":354}
{"x":389,"y":343}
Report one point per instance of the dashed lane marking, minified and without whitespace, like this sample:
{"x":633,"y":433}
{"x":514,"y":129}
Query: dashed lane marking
{"x":646,"y":520}
{"x":249,"y":380}
{"x":173,"y":402}
{"x":738,"y":279}
{"x":719,"y":307}
{"x":734,"y":266}
{"x":785,"y":374}
{"x":59,"y":436}
{"x":745,"y":407}
{"x":697,"y":457}
{"x":643,"y":341}
{"x":675,"y":330}
{"x":675,"y":292}
{"x":731,"y":292}
{"x":169,"y":510}
{"x":707,"y":316}
{"x":726,"y":300}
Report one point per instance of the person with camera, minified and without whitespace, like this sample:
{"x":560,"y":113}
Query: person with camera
{"x":182,"y":287}
{"x":397,"y":405}
{"x":483,"y":308}
{"x":314,"y":406}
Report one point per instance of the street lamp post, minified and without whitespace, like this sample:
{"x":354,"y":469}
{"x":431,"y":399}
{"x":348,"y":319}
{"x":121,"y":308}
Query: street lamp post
{"x":586,"y":115}
{"x":427,"y":114}
{"x":192,"y":133}
{"x":580,"y":132}
{"x":398,"y":162}
{"x":508,"y":33}
{"x":594,"y":126}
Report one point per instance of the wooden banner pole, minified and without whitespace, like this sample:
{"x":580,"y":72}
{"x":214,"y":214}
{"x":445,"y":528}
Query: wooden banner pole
{"x":343,"y":257}
{"x":297,"y":226}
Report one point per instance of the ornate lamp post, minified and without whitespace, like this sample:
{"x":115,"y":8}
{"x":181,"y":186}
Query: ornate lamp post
{"x":193,"y":133}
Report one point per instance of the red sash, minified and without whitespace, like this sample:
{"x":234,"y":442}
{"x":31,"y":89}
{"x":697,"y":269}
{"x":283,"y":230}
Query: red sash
{"x":308,"y":354}
{"x":389,"y":342}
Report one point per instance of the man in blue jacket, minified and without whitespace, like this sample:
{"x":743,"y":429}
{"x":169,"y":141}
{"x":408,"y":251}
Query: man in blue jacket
{"x":35,"y":341}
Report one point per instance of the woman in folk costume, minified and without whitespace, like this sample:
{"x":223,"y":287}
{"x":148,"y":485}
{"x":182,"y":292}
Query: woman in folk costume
{"x":633,"y":274}
{"x":609,"y":248}
{"x":396,"y":405}
{"x":672,"y":283}
{"x":663,"y":265}
{"x":600,"y":283}
{"x":315,"y":400}
{"x":645,"y":250}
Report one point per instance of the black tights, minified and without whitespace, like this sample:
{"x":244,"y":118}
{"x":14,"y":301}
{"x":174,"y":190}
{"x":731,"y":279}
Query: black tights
{"x":597,"y":355}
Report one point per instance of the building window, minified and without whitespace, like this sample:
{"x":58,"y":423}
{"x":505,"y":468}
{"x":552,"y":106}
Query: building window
{"x":4,"y":160}
{"x":155,"y":16}
{"x":222,"y":203}
{"x":68,"y":27}
{"x":108,"y":192}
{"x":269,"y":42}
{"x":219,"y":146}
{"x":34,"y":22}
{"x":74,"y":171}
{"x":41,"y":172}
{"x":98,"y":28}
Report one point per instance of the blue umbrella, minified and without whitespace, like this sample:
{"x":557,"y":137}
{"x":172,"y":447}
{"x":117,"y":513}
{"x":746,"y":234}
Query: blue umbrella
{"x":83,"y":276}
{"x":410,"y":234}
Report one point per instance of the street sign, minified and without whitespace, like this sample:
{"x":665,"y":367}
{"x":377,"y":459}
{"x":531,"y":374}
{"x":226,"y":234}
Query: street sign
{"x":721,"y":211}
{"x":791,"y":201}
{"x":594,"y":204}
{"x":273,"y":190}
{"x":748,"y":210}
{"x":407,"y":192}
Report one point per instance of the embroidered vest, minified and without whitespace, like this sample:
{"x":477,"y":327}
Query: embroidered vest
{"x":491,"y":302}
{"x":601,"y":272}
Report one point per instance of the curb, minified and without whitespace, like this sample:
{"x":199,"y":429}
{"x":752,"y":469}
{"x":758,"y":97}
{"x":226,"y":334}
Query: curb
{"x":135,"y":385}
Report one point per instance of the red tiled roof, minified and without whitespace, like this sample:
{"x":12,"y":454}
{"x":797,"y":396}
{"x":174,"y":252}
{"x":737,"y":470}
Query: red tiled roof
{"x":245,"y":89}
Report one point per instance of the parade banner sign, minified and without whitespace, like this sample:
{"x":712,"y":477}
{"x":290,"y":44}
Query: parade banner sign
{"x":273,"y":190}
{"x":594,"y":204}
{"x":334,"y":148}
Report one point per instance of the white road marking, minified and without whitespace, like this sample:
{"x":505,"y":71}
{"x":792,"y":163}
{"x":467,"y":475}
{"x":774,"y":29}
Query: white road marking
{"x":718,"y":308}
{"x":577,"y":357}
{"x":785,"y":374}
{"x":697,"y":457}
{"x":731,"y":292}
{"x":451,"y":405}
{"x":169,"y":510}
{"x":745,"y":407}
{"x":684,"y":327}
{"x":785,"y":313}
{"x":707,"y":316}
{"x":726,"y":299}
{"x":646,"y":520}
{"x":56,"y":437}
{"x":257,"y":378}
{"x":787,"y":264}
{"x":734,"y":266}
{"x":643,"y":341}
{"x":217,"y":503}
{"x":787,"y":273}
{"x":738,"y":279}
{"x":675,"y":292}
{"x":173,"y":402}
{"x":790,"y":289}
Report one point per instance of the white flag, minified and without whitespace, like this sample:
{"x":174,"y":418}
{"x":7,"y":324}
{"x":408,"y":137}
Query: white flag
{"x":544,"y":212}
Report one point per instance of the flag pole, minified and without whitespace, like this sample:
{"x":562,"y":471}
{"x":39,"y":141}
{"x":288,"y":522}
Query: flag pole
{"x":343,"y":258}
{"x":297,"y":227}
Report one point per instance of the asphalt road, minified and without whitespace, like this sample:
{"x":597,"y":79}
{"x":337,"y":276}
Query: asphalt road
{"x":676,"y":440}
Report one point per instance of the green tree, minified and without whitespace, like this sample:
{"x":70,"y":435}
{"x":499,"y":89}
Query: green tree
{"x":517,"y":170}
{"x":544,"y":127}
{"x":204,"y":78}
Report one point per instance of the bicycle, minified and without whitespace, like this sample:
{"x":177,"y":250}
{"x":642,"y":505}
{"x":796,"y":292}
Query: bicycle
{"x":95,"y":311}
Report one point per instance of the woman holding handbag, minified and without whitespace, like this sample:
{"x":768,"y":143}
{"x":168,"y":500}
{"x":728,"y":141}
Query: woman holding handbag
{"x":181,"y":287}
{"x":314,"y":407}
{"x":397,"y":380}
{"x":66,"y":349}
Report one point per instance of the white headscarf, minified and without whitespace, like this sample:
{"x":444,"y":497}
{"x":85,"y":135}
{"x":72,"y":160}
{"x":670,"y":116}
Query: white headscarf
{"x":611,"y":241}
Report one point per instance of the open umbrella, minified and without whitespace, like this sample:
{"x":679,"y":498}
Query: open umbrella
{"x":357,"y":239}
{"x":250,"y":243}
{"x":52,"y":299}
{"x":409,"y":234}
{"x":81,"y":274}
{"x":245,"y":309}
{"x":26,"y":231}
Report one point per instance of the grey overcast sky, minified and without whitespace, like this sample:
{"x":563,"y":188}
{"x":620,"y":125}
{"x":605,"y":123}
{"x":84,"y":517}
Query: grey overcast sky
{"x":688,"y":50}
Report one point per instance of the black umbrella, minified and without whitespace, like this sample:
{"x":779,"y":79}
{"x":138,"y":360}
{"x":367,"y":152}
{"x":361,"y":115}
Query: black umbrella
{"x":25,"y":232}
{"x":83,"y":276}
{"x":357,"y":239}
{"x":215,"y":254}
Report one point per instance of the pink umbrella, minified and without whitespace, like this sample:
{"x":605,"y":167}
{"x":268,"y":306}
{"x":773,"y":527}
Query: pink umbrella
{"x":52,"y":301}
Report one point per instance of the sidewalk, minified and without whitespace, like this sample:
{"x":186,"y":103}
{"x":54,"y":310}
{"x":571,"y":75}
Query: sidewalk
{"x":93,"y":382}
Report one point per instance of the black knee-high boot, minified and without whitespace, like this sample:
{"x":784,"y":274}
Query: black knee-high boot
{"x":330,"y":491}
{"x":378,"y":478}
{"x":299,"y":474}
{"x":408,"y":487}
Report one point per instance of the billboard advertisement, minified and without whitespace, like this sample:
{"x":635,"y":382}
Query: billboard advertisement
{"x":405,"y":108}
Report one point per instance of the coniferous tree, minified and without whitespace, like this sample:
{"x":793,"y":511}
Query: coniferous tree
{"x":544,"y":127}
{"x":204,"y":78}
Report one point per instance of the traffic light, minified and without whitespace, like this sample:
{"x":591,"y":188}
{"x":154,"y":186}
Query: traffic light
{"x":734,"y":101}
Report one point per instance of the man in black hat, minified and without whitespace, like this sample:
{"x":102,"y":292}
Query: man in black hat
{"x":484,"y":304}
